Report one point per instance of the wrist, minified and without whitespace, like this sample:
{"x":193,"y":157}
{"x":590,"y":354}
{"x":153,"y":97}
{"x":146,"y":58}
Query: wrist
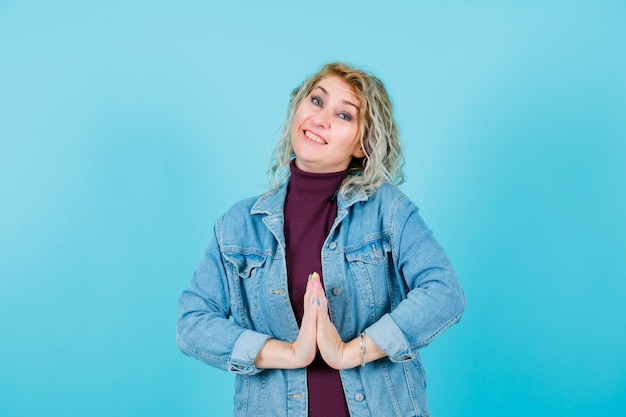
{"x":283,"y":355}
{"x":350,"y":355}
{"x":362,"y":349}
{"x":296,"y":359}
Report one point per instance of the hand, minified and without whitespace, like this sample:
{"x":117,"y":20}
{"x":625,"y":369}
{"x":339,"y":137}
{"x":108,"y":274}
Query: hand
{"x":305,"y":347}
{"x":277,"y":354}
{"x":316,"y":332}
{"x":334,"y":351}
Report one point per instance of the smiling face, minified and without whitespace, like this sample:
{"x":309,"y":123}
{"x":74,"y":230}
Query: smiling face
{"x":325,"y":128}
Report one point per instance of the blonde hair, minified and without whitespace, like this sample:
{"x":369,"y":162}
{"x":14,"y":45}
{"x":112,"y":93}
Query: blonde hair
{"x":377,"y":129}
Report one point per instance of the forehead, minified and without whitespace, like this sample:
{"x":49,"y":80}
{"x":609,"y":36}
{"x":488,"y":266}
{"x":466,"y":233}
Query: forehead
{"x":334,"y":85}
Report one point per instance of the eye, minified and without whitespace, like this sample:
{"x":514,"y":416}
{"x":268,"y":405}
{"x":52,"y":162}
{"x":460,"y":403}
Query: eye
{"x":316,"y":101}
{"x":345,"y":116}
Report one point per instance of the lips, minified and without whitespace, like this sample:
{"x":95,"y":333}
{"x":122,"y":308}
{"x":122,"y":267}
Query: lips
{"x":314,"y":137}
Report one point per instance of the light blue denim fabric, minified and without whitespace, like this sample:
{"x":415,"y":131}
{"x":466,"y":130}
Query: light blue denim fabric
{"x":384,"y":274}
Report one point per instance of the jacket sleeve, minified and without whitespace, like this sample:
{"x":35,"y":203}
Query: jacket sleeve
{"x":434,"y":301}
{"x":205,"y":330}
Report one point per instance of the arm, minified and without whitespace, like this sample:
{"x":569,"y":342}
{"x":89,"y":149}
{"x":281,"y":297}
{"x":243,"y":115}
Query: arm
{"x":284,"y":355}
{"x":204,"y":328}
{"x":334,"y":351}
{"x":435,"y":299}
{"x":205,"y":331}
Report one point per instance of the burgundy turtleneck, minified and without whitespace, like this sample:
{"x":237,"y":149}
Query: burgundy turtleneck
{"x":310,"y":210}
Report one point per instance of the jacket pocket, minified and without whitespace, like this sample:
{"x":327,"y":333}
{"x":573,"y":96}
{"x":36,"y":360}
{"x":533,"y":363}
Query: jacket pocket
{"x":369,"y":264}
{"x":246,"y":288}
{"x":245,"y":264}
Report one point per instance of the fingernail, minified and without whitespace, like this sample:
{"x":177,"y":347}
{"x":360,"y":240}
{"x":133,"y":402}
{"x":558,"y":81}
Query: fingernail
{"x":310,"y":276}
{"x":313,"y":300}
{"x":318,"y":303}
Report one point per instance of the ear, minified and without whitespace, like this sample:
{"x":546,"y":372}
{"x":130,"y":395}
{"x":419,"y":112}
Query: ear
{"x":358,"y":150}
{"x":359,"y":153}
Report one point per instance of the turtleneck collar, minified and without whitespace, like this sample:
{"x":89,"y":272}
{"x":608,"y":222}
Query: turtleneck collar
{"x":311,"y":188}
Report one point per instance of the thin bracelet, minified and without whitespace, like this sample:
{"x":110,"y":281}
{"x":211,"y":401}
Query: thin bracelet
{"x":362,"y":346}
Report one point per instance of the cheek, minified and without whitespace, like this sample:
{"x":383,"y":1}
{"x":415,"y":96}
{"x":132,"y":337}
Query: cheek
{"x":356,"y":146}
{"x":295,"y":123}
{"x":351,"y":136}
{"x":301,"y":111}
{"x":298,"y":118}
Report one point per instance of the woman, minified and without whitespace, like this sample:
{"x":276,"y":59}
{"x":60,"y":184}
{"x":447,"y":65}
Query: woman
{"x":319,"y":293}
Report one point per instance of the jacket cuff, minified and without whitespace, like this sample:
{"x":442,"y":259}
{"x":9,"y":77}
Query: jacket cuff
{"x":247,"y":347}
{"x":388,"y":336}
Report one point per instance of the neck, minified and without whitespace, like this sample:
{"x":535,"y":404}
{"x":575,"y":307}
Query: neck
{"x":313,"y":187}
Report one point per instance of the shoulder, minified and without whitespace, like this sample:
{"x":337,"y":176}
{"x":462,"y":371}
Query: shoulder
{"x":241,"y":208}
{"x":389,"y":198}
{"x":254,"y":209}
{"x":387,"y":209}
{"x":237,"y":223}
{"x":389,"y":191}
{"x":246,"y":225}
{"x":244,"y":209}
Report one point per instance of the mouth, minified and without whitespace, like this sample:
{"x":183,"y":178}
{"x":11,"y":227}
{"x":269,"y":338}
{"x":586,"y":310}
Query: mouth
{"x":314,"y":137}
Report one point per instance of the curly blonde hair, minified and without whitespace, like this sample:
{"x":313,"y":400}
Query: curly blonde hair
{"x":377,"y":129}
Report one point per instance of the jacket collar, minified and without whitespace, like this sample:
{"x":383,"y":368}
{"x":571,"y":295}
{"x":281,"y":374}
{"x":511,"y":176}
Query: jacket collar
{"x":273,"y":202}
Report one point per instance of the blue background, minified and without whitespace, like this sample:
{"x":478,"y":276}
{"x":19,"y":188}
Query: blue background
{"x":128,"y":127}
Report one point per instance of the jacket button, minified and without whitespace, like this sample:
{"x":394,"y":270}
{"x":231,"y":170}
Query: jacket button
{"x":336,"y":291}
{"x":359,"y":397}
{"x":332,"y":245}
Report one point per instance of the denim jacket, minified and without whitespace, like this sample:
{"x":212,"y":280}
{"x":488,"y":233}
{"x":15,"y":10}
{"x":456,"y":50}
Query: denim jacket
{"x":384,"y":274}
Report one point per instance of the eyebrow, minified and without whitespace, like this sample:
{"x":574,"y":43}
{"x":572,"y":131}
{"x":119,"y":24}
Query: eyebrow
{"x":345,"y":101}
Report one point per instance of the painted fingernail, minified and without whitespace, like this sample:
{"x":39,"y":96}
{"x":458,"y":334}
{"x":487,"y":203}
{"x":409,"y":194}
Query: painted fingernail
{"x":313,"y":300}
{"x":318,"y":303}
{"x":310,"y":276}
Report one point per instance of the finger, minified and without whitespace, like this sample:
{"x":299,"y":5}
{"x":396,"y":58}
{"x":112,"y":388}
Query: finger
{"x":310,"y":288}
{"x":311,"y":299}
{"x":319,"y":293}
{"x":314,"y":290}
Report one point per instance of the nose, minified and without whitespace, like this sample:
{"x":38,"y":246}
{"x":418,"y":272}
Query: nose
{"x":322,"y":117}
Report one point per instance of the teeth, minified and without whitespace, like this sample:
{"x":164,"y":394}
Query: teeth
{"x":314,"y":138}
